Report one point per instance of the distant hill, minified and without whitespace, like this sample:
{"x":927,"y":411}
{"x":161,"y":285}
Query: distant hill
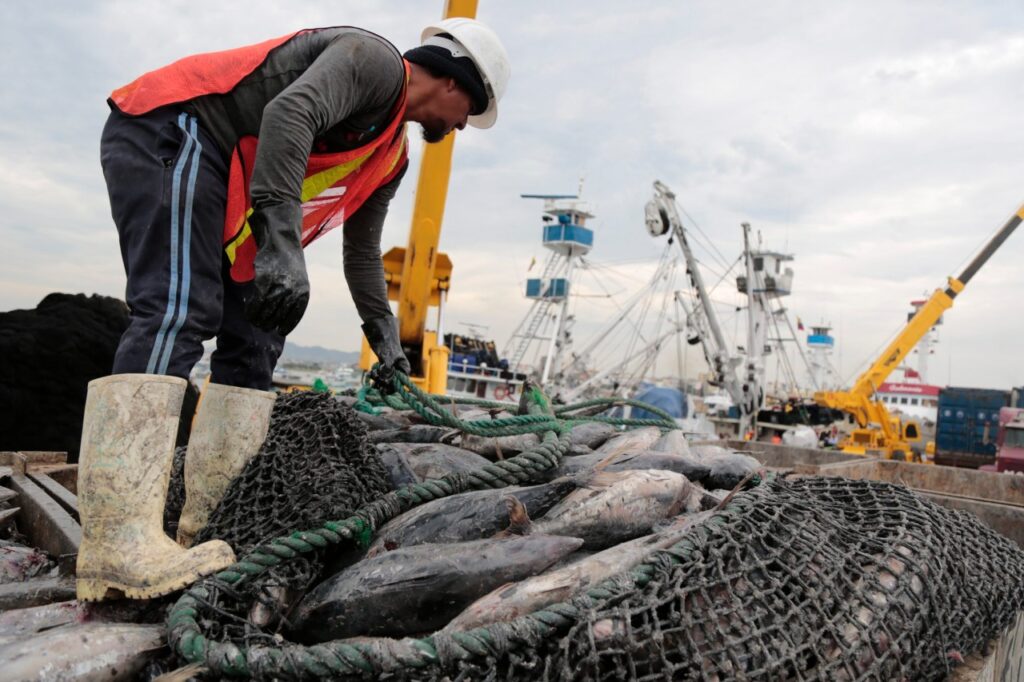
{"x":294,"y":352}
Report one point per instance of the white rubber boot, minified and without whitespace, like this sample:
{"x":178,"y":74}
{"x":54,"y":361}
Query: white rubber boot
{"x":128,"y":433}
{"x":230,"y":426}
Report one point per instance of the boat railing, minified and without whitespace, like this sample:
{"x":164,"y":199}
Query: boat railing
{"x":482,"y":372}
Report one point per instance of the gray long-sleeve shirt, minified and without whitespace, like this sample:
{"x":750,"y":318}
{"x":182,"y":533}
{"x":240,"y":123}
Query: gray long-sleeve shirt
{"x":325,"y":90}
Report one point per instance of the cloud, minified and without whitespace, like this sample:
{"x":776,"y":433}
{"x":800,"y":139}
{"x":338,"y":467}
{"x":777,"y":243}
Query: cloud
{"x":878,"y":142}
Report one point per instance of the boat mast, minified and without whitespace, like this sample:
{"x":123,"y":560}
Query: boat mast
{"x":662,"y":216}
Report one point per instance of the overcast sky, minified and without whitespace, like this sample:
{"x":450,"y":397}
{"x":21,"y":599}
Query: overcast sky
{"x":879,"y":142}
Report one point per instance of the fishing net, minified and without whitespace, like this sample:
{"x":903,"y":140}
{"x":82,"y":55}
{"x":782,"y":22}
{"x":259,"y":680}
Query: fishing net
{"x":175,"y":492}
{"x":809,"y":579}
{"x":802,"y":579}
{"x":806,"y":579}
{"x":315,"y":464}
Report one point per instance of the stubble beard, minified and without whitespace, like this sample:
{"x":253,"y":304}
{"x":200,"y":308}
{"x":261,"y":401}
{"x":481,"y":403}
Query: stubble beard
{"x":433,"y":133}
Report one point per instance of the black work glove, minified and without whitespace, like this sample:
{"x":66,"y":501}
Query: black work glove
{"x":281,"y":288}
{"x":382,"y":333}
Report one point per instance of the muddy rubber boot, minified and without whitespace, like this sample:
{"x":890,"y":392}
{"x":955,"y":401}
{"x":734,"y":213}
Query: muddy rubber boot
{"x":230,"y":426}
{"x":128,"y":433}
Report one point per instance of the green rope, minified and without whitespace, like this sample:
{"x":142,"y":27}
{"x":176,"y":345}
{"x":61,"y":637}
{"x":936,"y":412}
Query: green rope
{"x":429,"y":407}
{"x":185,"y":634}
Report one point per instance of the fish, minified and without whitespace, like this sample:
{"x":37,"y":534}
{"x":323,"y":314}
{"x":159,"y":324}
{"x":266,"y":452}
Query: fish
{"x":673,"y":442}
{"x":591,"y":434}
{"x":709,"y":451}
{"x":419,"y":589}
{"x":18,"y":562}
{"x":688,"y":466}
{"x":91,"y":651}
{"x":615,"y":506}
{"x":500,"y":447}
{"x":527,"y":596}
{"x":417,"y":433}
{"x":577,"y":450}
{"x":467,"y":516}
{"x":470,"y":413}
{"x":21,"y":623}
{"x":397,"y":467}
{"x":726,"y":471}
{"x":377,"y":422}
{"x":637,"y":439}
{"x":427,"y":461}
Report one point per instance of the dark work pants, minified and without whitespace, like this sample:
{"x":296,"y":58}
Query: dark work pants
{"x":167,"y":183}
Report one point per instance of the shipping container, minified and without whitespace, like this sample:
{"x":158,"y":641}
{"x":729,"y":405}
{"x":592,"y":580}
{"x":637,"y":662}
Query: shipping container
{"x":968,"y":425}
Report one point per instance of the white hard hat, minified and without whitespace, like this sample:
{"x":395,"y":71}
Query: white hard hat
{"x":482,"y":46}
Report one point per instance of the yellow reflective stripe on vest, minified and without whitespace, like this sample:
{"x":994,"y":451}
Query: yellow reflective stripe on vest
{"x":314,"y":185}
{"x":231,"y":247}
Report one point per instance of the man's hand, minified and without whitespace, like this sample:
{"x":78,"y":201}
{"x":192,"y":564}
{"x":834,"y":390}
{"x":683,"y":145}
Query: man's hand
{"x":281,"y":288}
{"x":382,"y":333}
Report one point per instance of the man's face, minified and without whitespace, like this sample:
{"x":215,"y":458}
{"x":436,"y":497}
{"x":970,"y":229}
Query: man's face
{"x":450,"y":108}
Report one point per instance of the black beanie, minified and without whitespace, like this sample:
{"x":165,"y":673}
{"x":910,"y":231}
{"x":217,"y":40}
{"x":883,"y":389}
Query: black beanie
{"x":462,"y":69}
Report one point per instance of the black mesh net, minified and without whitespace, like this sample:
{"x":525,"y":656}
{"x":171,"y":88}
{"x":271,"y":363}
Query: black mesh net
{"x":808,"y":579}
{"x":175,"y":492}
{"x":797,"y":579}
{"x":315,"y":465}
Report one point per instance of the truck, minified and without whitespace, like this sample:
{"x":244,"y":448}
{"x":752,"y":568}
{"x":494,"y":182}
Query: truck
{"x":967,"y":425}
{"x":1009,"y":442}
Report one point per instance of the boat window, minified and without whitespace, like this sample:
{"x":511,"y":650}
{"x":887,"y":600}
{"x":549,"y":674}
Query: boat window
{"x":1014,"y":438}
{"x":903,"y":401}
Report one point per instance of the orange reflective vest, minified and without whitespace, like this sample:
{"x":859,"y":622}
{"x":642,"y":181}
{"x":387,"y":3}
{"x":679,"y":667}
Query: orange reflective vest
{"x":335,"y":185}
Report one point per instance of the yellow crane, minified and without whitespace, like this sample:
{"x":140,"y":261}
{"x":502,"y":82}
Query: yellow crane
{"x":878,"y":431}
{"x":418,"y":275}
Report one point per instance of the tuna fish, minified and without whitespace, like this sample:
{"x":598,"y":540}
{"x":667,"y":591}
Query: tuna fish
{"x":687,"y":466}
{"x":517,"y":599}
{"x":376,"y":422}
{"x":501,"y":447}
{"x":578,"y":449}
{"x":417,"y":433}
{"x":630,"y":441}
{"x":428,"y":461}
{"x":709,"y":451}
{"x":399,"y":471}
{"x":21,"y":623}
{"x":27,"y":622}
{"x":419,"y":589}
{"x":93,"y":651}
{"x":18,"y":562}
{"x":616,"y":506}
{"x":592,"y":434}
{"x":729,"y":469}
{"x":469,"y":516}
{"x":673,"y":442}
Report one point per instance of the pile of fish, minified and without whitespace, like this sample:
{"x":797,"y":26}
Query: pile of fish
{"x":483,"y":557}
{"x":456,"y":563}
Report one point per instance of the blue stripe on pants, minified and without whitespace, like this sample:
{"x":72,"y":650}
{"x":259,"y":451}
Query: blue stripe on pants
{"x":161,"y":349}
{"x":186,"y":238}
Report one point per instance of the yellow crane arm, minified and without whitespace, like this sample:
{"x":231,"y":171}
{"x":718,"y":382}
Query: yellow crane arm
{"x":858,"y":400}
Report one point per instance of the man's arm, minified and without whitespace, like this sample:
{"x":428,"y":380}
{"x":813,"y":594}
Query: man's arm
{"x":354,"y":73}
{"x":364,"y":270}
{"x":350,"y":74}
